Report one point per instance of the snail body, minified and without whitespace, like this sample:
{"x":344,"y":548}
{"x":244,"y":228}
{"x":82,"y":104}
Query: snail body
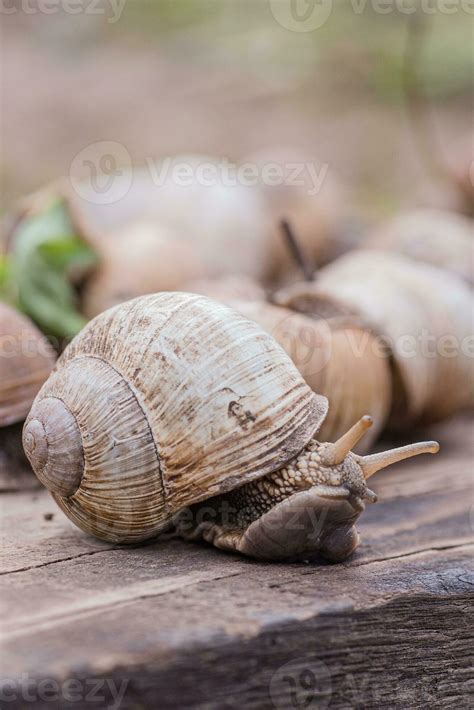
{"x":164,"y":406}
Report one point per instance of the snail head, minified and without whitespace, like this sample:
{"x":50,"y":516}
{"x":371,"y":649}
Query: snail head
{"x":309,"y":506}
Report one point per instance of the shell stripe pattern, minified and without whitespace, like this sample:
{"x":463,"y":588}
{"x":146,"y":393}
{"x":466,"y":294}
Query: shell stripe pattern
{"x":183,"y":399}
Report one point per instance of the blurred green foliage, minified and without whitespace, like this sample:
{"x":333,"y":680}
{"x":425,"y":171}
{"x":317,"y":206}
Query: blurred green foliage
{"x":357,"y":34}
{"x":36,"y":276}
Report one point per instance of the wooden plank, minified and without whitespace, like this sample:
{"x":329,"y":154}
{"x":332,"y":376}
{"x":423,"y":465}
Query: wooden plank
{"x":189,"y":625}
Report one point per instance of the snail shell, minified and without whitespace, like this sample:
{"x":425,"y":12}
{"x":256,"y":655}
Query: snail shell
{"x":26,"y":360}
{"x":438,"y":237}
{"x":310,"y":197}
{"x":171,"y":233}
{"x":228,"y":289}
{"x":135,"y":259}
{"x":338,"y":358}
{"x":419,"y":310}
{"x":160,"y":403}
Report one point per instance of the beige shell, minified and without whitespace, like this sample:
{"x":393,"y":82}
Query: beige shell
{"x":306,"y":192}
{"x":228,"y":289}
{"x":160,"y":403}
{"x":170,"y":232}
{"x":339,"y":359}
{"x":26,"y":360}
{"x":137,"y":260}
{"x":424,"y":314}
{"x":438,"y":237}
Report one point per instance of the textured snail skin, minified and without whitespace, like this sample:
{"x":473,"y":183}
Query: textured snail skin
{"x":308,"y":507}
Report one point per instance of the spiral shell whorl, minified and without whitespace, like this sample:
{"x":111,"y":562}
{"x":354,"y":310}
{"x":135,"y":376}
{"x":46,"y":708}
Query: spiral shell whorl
{"x":53,"y":445}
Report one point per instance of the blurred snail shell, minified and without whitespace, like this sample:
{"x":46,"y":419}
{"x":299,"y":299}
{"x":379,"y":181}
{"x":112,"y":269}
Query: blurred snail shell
{"x":162,"y":234}
{"x":173,"y":400}
{"x":228,"y":289}
{"x":134,"y":260}
{"x":307,"y":193}
{"x":26,"y":360}
{"x":338,"y":358}
{"x":417,"y":308}
{"x":437,"y":237}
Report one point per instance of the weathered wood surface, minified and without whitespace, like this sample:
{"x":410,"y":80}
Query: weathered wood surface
{"x":173,"y":624}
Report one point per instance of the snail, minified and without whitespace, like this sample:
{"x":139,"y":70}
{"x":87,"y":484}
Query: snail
{"x":228,"y":289}
{"x":438,"y":237}
{"x":423,"y":313}
{"x":161,"y":233}
{"x":340,"y":358}
{"x":173,"y":409}
{"x":311,"y":197}
{"x":26,"y":360}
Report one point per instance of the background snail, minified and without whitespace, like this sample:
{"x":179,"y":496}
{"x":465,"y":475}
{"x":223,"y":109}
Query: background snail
{"x":173,"y":400}
{"x":26,"y":360}
{"x":438,"y":237}
{"x":339,"y":357}
{"x":423,"y":313}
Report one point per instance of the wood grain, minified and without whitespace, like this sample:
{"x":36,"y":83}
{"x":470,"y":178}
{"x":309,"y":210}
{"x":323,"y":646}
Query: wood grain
{"x":184,"y":625}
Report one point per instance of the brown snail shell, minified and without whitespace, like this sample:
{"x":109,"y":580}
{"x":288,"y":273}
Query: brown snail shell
{"x":339,"y":358}
{"x":164,"y":401}
{"x":26,"y":360}
{"x":407,"y":303}
{"x":438,"y":237}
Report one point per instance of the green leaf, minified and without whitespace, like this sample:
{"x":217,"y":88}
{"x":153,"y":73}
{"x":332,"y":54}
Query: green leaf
{"x":45,"y":256}
{"x":68,"y":254}
{"x":4,"y":271}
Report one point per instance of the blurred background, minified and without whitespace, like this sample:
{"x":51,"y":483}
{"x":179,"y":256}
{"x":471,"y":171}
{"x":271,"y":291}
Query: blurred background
{"x":164,"y":77}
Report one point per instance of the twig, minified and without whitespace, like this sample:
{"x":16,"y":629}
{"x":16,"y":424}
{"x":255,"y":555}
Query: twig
{"x":308,"y":270}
